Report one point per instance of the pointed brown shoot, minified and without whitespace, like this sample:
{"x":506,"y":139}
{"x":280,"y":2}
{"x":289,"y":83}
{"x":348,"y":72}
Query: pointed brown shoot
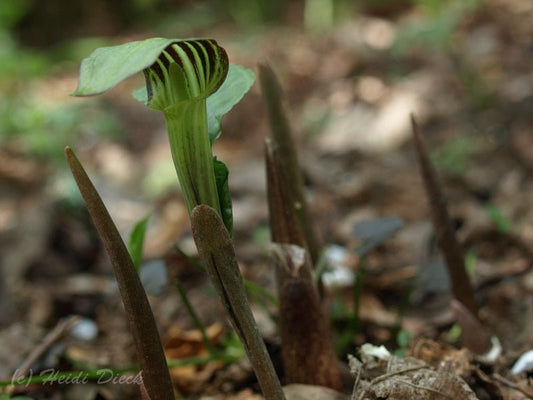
{"x":306,"y":338}
{"x":284,"y":225}
{"x":150,"y":354}
{"x":474,"y":335}
{"x":444,"y":229}
{"x":216,"y":250}
{"x":283,"y":137}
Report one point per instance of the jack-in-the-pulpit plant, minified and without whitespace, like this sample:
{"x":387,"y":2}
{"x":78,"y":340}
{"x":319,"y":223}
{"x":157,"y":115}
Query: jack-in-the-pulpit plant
{"x":193,"y":84}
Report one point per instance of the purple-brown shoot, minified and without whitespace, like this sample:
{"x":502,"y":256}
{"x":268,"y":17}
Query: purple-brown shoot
{"x":155,"y":374}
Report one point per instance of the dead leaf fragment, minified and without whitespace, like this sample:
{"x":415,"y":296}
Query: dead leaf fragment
{"x":182,"y":344}
{"x":405,"y":378}
{"x":298,"y":391}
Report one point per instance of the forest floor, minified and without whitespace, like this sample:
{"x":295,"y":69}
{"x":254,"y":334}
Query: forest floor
{"x":349,"y":93}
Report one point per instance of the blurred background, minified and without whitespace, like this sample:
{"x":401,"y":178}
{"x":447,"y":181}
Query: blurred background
{"x":352,"y":72}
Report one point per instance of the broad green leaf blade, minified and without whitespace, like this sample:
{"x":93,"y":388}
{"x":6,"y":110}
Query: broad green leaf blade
{"x":238,"y":82}
{"x":136,"y":242}
{"x":108,"y":66}
{"x":224,"y":196}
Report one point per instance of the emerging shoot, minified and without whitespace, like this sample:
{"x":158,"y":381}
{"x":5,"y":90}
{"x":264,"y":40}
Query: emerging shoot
{"x":156,"y":382}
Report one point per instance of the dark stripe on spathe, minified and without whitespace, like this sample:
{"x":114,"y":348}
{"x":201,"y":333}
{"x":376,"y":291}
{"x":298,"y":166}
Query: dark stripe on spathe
{"x":196,"y":48}
{"x":173,"y":53}
{"x":213,"y":58}
{"x":218,"y":61}
{"x":187,"y":51}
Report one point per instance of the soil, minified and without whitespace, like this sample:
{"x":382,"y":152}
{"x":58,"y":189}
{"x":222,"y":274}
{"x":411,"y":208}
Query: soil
{"x":349,"y":92}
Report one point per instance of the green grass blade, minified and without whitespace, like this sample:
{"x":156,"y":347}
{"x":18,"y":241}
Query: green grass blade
{"x":136,"y":242}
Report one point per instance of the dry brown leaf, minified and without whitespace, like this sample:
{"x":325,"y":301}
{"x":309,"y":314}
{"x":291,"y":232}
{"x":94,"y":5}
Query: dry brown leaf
{"x":405,"y":378}
{"x":297,"y":391}
{"x":182,"y":344}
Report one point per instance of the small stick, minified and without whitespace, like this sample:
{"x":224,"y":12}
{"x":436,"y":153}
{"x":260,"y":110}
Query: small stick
{"x":513,"y":385}
{"x":56,"y":334}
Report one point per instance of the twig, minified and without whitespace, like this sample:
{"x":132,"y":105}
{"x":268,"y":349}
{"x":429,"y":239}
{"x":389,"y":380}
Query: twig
{"x":62,"y":328}
{"x":513,"y":385}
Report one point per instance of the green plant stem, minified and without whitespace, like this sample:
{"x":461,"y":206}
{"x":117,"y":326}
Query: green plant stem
{"x":191,"y":153}
{"x":104,"y":373}
{"x":257,"y":290}
{"x":195,"y":318}
{"x":216,"y":249}
{"x":71,"y":376}
{"x":156,"y":377}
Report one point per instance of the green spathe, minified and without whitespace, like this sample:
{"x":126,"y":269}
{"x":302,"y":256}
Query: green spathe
{"x":237,"y":83}
{"x":185,"y":70}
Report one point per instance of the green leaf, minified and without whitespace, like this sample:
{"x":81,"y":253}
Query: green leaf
{"x":403,"y":338}
{"x":108,"y":66}
{"x":502,"y":224}
{"x":224,"y":196}
{"x":136,"y":242}
{"x":238,"y":82}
